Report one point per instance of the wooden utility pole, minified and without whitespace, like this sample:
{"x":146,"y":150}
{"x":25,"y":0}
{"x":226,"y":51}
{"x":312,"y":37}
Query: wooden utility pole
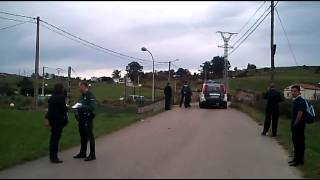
{"x":272,"y":46}
{"x":36,"y":75}
{"x":69,"y":85}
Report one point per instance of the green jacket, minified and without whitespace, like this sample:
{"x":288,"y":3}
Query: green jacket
{"x":88,"y":101}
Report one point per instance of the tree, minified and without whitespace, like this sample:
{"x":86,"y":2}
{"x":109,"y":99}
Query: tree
{"x":251,"y":67}
{"x":218,"y":66}
{"x":235,"y":69}
{"x":26,"y":87}
{"x":133,"y":70}
{"x":116,"y":74}
{"x":206,"y":70}
{"x":107,"y":79}
{"x":183,"y":72}
{"x":6,"y":89}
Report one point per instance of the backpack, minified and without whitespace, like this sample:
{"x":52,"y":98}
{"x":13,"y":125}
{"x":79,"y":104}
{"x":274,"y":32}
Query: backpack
{"x":310,"y":115}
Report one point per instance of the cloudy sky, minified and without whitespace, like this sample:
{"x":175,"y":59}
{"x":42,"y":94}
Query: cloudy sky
{"x":170,"y":30}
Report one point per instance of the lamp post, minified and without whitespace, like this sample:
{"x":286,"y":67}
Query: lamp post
{"x":145,"y":49}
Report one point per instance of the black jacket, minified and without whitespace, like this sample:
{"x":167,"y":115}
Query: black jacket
{"x":273,"y":99}
{"x":168,"y":91}
{"x":57,"y":110}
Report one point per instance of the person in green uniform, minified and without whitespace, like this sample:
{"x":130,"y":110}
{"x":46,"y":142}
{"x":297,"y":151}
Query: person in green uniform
{"x":85,"y":118}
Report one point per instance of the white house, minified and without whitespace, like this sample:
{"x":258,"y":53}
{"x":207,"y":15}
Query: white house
{"x":308,"y":91}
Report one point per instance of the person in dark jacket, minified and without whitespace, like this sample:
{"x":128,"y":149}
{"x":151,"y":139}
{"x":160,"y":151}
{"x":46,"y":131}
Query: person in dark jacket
{"x":298,"y":126}
{"x":85,"y":119}
{"x":168,"y":96}
{"x":186,"y":94}
{"x":272,"y":110}
{"x":57,"y":120}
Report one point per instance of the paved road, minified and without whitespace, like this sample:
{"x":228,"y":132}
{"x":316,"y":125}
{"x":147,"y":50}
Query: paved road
{"x":181,"y":143}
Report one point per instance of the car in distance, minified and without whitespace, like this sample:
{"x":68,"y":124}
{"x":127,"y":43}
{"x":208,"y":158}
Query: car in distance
{"x":213,"y":94}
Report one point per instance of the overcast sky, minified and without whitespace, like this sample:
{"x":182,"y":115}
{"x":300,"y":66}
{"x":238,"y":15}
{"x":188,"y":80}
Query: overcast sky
{"x":170,"y":30}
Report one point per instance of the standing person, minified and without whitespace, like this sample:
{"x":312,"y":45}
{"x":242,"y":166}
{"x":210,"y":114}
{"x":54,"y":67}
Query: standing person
{"x":57,"y":120}
{"x":85,"y":122}
{"x":272,"y":110}
{"x":297,"y":126}
{"x":188,"y":96}
{"x":168,"y":96}
{"x":183,"y":93}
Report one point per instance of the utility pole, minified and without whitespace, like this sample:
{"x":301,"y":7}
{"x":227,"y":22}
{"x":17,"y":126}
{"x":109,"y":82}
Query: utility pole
{"x":272,"y":45}
{"x":169,"y":71}
{"x":36,"y":75}
{"x":226,"y":37}
{"x":69,"y":85}
{"x":43,"y":79}
{"x":125,"y":89}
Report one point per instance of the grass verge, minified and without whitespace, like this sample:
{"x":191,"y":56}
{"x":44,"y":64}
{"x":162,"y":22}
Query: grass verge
{"x":24,"y":138}
{"x":311,"y":168}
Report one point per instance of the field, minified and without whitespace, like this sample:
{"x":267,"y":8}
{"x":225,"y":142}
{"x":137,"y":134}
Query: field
{"x":258,"y":82}
{"x":24,"y":137}
{"x":311,"y":168}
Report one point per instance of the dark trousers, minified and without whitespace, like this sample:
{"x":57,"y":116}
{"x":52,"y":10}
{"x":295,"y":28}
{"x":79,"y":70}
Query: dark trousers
{"x":187,"y":101}
{"x":298,"y":142}
{"x":167,"y":102}
{"x":182,"y":99}
{"x":56,"y":131}
{"x":271,"y":115}
{"x":86,"y":134}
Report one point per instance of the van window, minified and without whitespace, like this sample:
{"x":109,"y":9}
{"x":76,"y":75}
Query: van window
{"x":216,"y":89}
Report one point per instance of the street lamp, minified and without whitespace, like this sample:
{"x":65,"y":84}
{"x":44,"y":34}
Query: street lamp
{"x":145,"y":49}
{"x":170,"y":67}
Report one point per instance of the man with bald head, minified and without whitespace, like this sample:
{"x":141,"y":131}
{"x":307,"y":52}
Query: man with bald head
{"x":273,"y":98}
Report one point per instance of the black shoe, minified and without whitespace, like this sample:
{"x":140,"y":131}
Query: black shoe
{"x":90,"y":158}
{"x":296,"y":163}
{"x":263,"y":134}
{"x":290,"y":162}
{"x":79,"y":156}
{"x":56,"y":161}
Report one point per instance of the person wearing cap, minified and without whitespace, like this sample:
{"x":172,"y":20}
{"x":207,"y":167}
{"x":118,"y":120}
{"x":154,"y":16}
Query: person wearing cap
{"x":273,"y":98}
{"x":85,"y":116}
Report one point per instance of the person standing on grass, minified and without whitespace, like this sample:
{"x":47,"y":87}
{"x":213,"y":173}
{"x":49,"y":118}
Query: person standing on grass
{"x":297,"y":126}
{"x":57,"y":119}
{"x":272,"y":110}
{"x":85,"y":118}
{"x":168,"y":96}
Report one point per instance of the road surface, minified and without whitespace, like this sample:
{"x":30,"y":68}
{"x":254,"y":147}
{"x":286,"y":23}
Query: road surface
{"x":181,"y":143}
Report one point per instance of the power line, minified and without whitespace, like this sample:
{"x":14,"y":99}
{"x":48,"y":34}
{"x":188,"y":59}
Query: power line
{"x":253,"y":29}
{"x":249,"y":19}
{"x":5,"y":18}
{"x":18,"y":15}
{"x":249,"y":34}
{"x":285,"y":33}
{"x":121,"y":54}
{"x":84,"y":44}
{"x":15,"y":25}
{"x":252,"y":26}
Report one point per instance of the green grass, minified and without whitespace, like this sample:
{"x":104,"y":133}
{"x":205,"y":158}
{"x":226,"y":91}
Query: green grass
{"x":311,"y":168}
{"x":24,"y":138}
{"x":259,"y":81}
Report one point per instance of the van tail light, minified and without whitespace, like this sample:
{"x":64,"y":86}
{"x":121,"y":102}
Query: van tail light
{"x":205,"y":88}
{"x":224,"y":89}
